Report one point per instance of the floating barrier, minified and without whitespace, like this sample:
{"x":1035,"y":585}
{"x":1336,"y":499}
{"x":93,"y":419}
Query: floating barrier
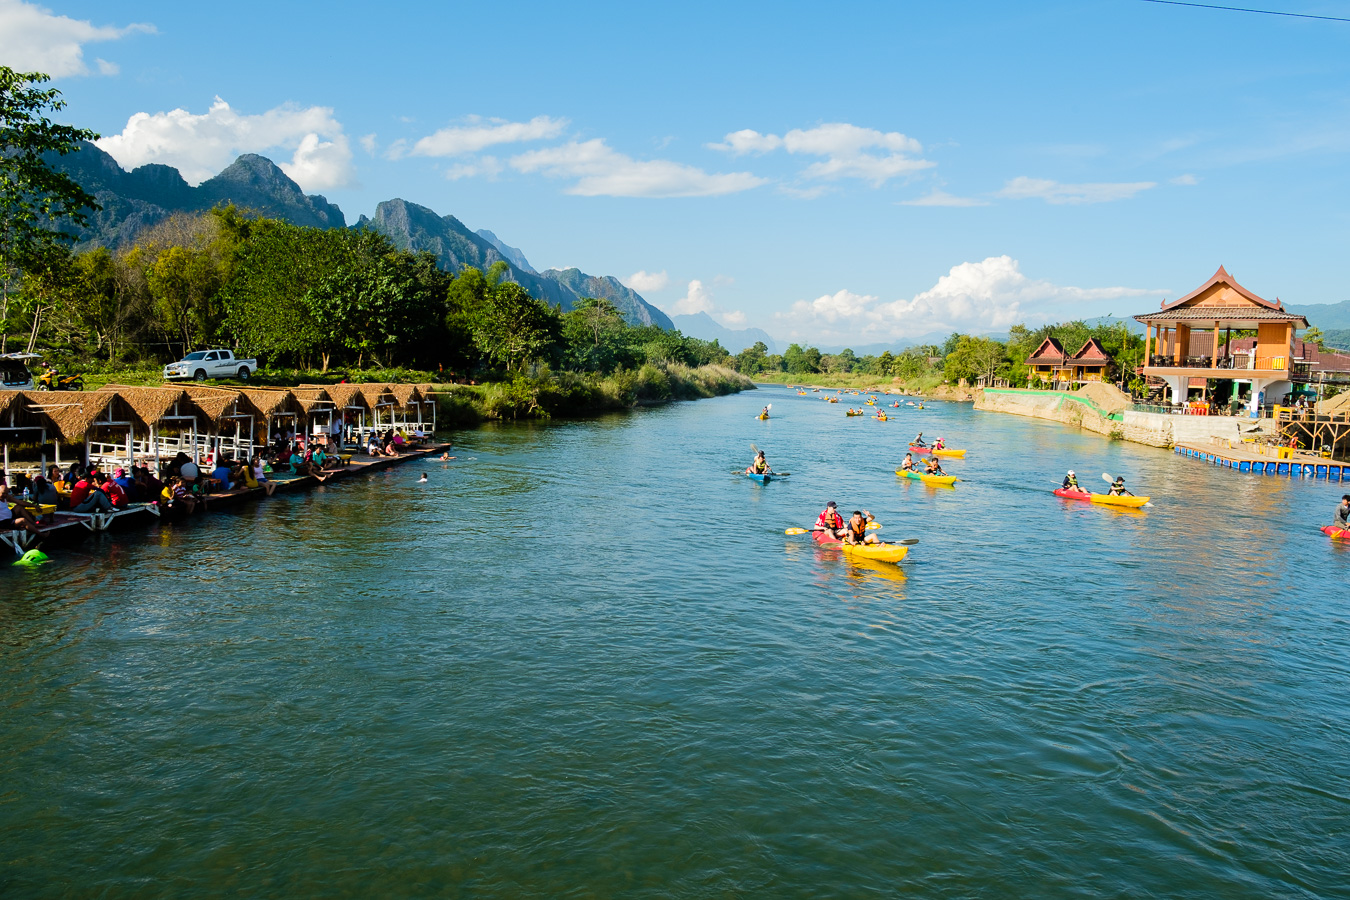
{"x":1329,"y":470}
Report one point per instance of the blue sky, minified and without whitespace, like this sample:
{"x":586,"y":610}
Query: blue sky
{"x":841,"y":173}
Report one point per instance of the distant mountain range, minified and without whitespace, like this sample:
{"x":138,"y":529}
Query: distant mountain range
{"x":705,"y":328}
{"x":133,"y":201}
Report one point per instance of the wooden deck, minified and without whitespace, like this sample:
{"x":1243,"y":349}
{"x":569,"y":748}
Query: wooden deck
{"x":74,"y":525}
{"x":1300,"y":465}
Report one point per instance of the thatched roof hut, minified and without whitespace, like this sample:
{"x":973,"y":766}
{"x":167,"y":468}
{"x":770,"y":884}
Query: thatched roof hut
{"x":312,"y":398}
{"x":152,"y":404}
{"x":73,"y":413}
{"x":344,"y":395}
{"x":19,"y":422}
{"x":406,"y":394}
{"x":377,"y":394}
{"x":216,"y":403}
{"x":272,"y":401}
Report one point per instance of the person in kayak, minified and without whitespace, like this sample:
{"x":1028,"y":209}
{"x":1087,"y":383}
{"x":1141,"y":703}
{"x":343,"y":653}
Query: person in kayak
{"x":1118,"y":487}
{"x":1343,"y":513}
{"x":760,"y":466}
{"x":907,"y":464}
{"x":856,"y":531}
{"x":764,"y":413}
{"x":918,"y":440}
{"x":933,"y":467}
{"x":830,"y":521}
{"x":1071,"y":482}
{"x":939,"y":445}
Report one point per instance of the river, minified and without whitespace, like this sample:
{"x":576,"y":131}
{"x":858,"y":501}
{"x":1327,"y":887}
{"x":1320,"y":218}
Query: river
{"x":585,"y":661}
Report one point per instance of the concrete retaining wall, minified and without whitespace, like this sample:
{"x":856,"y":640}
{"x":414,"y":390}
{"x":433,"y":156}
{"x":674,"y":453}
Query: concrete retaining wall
{"x":1153,"y":429}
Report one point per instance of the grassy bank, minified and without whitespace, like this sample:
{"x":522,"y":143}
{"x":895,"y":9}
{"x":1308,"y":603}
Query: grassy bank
{"x":926,"y":385}
{"x":540,"y":394}
{"x":544,"y":394}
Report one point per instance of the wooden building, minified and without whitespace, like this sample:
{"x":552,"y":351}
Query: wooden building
{"x":1206,"y":318}
{"x":1052,"y":364}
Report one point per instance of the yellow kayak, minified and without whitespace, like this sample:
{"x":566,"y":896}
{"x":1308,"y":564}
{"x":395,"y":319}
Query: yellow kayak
{"x":1108,"y":500}
{"x":881,"y":418}
{"x":959,"y":454}
{"x":880,"y":552}
{"x":926,"y":478}
{"x":761,"y":416}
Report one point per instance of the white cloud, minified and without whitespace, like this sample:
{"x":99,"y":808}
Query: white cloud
{"x":201,"y":145}
{"x":938,"y":197}
{"x":368,"y":143}
{"x":698,"y":299}
{"x":484,"y":166}
{"x":844,"y":147}
{"x":1023,"y":188}
{"x":480,"y":133}
{"x":33,"y":38}
{"x":1186,"y":180}
{"x":985,"y":296}
{"x":604,"y":172}
{"x":644,"y":281}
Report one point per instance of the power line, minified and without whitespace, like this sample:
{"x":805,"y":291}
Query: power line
{"x":1264,"y":12}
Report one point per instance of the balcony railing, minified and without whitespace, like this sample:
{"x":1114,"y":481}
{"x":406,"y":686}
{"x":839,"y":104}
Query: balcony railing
{"x":1237,"y":361}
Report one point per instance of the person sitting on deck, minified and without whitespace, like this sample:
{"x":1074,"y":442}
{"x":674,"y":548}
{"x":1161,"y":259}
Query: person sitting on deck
{"x":85,"y":498}
{"x":175,"y":465}
{"x":391,"y":446}
{"x":760,"y":466}
{"x":907,"y":464}
{"x":1343,"y":513}
{"x":933,"y":467}
{"x":22,"y":516}
{"x":150,"y":489}
{"x":181,"y":496}
{"x":918,"y":440}
{"x":116,"y":496}
{"x":45,"y":493}
{"x":856,"y":532}
{"x":1071,"y":483}
{"x":127,"y":484}
{"x":255,"y":476}
{"x":830,"y":521}
{"x":221,"y":474}
{"x":1118,"y":487}
{"x":373,"y":445}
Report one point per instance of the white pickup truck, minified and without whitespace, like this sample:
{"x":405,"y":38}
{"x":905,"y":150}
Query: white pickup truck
{"x":203,"y":364}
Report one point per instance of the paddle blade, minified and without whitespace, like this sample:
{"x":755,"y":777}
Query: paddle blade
{"x":908,"y":542}
{"x":1107,"y":478}
{"x":795,"y":531}
{"x":873,"y":526}
{"x":753,"y":448}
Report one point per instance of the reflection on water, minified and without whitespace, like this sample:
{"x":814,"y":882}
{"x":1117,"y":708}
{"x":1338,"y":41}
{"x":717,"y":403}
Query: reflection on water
{"x":584,"y":659}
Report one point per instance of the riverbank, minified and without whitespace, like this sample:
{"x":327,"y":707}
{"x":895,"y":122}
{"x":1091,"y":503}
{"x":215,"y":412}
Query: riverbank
{"x":1106,"y":411}
{"x":924,"y":387}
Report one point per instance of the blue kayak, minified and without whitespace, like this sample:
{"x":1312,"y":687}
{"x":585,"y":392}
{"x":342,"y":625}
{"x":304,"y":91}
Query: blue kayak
{"x":762,"y":479}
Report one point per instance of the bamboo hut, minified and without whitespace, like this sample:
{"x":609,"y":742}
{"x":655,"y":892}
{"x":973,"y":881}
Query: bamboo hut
{"x":78,"y":417}
{"x":159,"y":411}
{"x":349,"y":401}
{"x":21,"y":425}
{"x":233,"y":417}
{"x":382,"y":403}
{"x":412,"y":408}
{"x":320,"y":412}
{"x":278,"y":408}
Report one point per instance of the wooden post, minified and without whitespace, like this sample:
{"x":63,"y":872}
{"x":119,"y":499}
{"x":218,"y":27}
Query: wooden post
{"x":1214,"y":359}
{"x":1289,"y":347}
{"x":1148,"y":336}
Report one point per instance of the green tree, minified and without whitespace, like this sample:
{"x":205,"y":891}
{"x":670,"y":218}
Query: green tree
{"x":975,"y":357}
{"x":33,"y":196}
{"x":753,"y":360}
{"x":513,"y":328}
{"x":1314,"y":336}
{"x":801,"y":361}
{"x":886,"y":363}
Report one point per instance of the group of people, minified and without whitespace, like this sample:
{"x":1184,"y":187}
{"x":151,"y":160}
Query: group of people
{"x":853,"y":531}
{"x":1117,"y":488}
{"x":931,"y":466}
{"x":919,"y":442}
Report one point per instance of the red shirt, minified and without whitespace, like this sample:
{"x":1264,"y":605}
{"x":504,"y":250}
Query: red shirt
{"x":830,"y":519}
{"x":115,"y":493}
{"x":79,"y":492}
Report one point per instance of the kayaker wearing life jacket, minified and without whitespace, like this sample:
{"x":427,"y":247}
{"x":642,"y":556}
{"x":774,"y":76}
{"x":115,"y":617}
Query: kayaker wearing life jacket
{"x":830,"y":521}
{"x":907,"y":464}
{"x":856,"y":531}
{"x":1118,"y":487}
{"x":938,"y":445}
{"x":933,"y":467}
{"x":1343,"y":512}
{"x":760,"y":466}
{"x":764,"y":413}
{"x":1071,"y":482}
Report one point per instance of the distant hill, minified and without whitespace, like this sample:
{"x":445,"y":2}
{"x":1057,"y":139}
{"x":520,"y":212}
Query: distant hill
{"x":705,"y":328}
{"x":1326,"y":316}
{"x":133,"y":201}
{"x":417,"y":228}
{"x":512,"y":254}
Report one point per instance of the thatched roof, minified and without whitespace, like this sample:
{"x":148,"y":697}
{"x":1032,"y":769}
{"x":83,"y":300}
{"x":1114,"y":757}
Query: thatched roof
{"x":405,"y":393}
{"x":375,"y":394}
{"x":343,"y":395}
{"x":152,"y":404}
{"x":73,"y":412}
{"x":310,"y":397}
{"x":271,"y":401}
{"x":215,"y":402}
{"x":16,"y":411}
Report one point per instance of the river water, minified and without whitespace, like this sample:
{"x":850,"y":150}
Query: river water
{"x":585,"y":661}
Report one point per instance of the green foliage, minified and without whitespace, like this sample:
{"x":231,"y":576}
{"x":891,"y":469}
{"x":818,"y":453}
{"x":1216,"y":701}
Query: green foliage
{"x":798,"y":361}
{"x":33,"y":196}
{"x":512,"y":328}
{"x":973,"y":358}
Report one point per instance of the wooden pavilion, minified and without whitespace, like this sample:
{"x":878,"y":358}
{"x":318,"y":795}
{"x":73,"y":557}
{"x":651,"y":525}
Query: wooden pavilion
{"x":1217,"y":308}
{"x":1051,"y":363}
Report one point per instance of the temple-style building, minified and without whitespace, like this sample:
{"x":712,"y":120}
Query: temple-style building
{"x":1051,"y":363}
{"x":1189,"y":341}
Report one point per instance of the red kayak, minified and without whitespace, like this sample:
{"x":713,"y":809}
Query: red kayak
{"x":1336,"y":534}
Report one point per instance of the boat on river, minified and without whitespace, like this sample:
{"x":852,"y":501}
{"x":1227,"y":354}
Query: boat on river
{"x":926,"y":478}
{"x":880,"y":552}
{"x":1104,"y":499}
{"x":939,"y":451}
{"x":1336,"y":534}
